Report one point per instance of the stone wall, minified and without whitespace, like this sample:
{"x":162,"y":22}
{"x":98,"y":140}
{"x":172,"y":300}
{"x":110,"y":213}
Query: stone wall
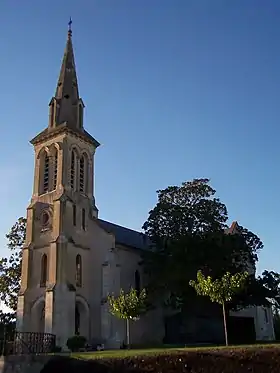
{"x":23,"y":363}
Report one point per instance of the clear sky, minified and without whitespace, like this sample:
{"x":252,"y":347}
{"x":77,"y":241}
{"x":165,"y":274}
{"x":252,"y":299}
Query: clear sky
{"x":174,"y":89}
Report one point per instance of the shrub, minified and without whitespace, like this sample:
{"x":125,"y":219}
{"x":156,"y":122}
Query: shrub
{"x":57,"y":349}
{"x":76,"y":343}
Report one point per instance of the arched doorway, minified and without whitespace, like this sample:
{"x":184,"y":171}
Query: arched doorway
{"x":82,"y":318}
{"x":38,"y":316}
{"x":42,"y":319}
{"x":77,"y":320}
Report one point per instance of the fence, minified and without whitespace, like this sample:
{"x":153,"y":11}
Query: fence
{"x":25,"y":343}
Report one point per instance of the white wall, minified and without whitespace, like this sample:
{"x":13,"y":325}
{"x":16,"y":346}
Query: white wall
{"x":263,"y":320}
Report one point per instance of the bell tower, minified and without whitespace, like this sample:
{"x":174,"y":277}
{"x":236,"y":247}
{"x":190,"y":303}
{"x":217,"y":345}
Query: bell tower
{"x":58,"y":216}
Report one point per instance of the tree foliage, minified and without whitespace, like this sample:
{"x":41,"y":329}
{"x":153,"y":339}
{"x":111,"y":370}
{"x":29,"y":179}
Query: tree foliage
{"x":10,"y":268}
{"x":270,"y":281}
{"x":130,"y":305}
{"x":187,"y":209}
{"x":263,"y":290}
{"x":220,"y":290}
{"x":187,"y":232}
{"x":7,"y":324}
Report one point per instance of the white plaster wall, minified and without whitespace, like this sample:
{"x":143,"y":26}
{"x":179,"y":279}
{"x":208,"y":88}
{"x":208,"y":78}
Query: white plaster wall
{"x":263,"y":320}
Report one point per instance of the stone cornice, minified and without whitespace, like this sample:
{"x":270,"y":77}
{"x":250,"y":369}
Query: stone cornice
{"x":49,"y":133}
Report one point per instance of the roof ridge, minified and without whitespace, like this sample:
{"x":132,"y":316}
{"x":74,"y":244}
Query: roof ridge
{"x":121,"y":226}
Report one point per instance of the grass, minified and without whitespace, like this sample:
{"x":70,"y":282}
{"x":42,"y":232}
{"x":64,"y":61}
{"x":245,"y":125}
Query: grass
{"x":216,"y":359}
{"x":161,"y":351}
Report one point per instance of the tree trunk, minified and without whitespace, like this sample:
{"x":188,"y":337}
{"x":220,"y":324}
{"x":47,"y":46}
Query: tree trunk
{"x":225,"y":324}
{"x":127,"y":334}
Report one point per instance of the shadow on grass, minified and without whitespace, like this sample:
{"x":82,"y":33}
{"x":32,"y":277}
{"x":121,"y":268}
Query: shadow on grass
{"x":68,"y":365}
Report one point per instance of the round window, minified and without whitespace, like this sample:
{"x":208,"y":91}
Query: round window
{"x":45,"y":218}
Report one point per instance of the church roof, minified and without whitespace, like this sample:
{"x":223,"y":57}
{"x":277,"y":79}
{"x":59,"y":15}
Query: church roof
{"x":126,"y":236}
{"x":138,"y":240}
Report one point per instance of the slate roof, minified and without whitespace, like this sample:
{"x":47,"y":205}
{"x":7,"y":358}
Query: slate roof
{"x":126,"y":236}
{"x":138,"y":240}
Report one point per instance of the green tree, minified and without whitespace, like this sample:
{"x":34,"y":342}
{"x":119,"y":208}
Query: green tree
{"x":219,"y":290}
{"x":129,"y":306}
{"x":270,"y":280}
{"x":186,"y":230}
{"x":7,"y":324}
{"x":10,"y":268}
{"x":263,"y":290}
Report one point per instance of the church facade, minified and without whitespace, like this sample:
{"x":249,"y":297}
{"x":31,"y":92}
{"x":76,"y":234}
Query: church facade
{"x":72,"y":259}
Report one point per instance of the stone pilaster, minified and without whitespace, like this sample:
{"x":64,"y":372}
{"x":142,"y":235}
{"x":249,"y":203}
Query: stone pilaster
{"x":23,"y":314}
{"x":37,"y":176}
{"x":60,"y":313}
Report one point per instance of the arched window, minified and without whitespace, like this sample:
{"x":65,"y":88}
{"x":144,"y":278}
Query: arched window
{"x":44,"y":268}
{"x":73,"y":169}
{"x":55,"y":169}
{"x":51,"y":115}
{"x":82,"y":174}
{"x":74,"y":214}
{"x":81,"y":114}
{"x":78,"y":270}
{"x":46,"y":173}
{"x":84,"y":219}
{"x":137,"y":281}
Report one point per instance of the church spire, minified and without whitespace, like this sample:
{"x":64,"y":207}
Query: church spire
{"x":68,"y":105}
{"x":67,"y":84}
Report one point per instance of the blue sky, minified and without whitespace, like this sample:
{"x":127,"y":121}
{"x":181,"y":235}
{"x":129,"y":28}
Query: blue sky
{"x":174,"y":89}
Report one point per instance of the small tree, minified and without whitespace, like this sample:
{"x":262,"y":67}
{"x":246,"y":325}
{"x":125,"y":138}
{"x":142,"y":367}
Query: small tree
{"x":10,"y":267}
{"x":220,"y":290}
{"x":128,"y":306}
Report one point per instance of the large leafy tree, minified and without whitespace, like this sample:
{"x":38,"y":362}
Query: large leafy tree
{"x":220,"y":290}
{"x":10,"y":267}
{"x":187,"y":231}
{"x":128,"y":306}
{"x":191,"y":208}
{"x":7,"y":324}
{"x":263,"y":290}
{"x":270,"y":281}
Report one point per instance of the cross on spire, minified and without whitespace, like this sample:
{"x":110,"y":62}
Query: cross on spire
{"x":70,"y":27}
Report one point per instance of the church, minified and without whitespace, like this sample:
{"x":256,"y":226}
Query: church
{"x":71,"y":259}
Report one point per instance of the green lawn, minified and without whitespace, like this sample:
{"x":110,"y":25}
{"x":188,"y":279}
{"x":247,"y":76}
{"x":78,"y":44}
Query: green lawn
{"x":157,"y":351}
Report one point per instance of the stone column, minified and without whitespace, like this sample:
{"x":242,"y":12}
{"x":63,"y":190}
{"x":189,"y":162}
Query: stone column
{"x":49,"y":311}
{"x":90,"y":178}
{"x":37,"y":185}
